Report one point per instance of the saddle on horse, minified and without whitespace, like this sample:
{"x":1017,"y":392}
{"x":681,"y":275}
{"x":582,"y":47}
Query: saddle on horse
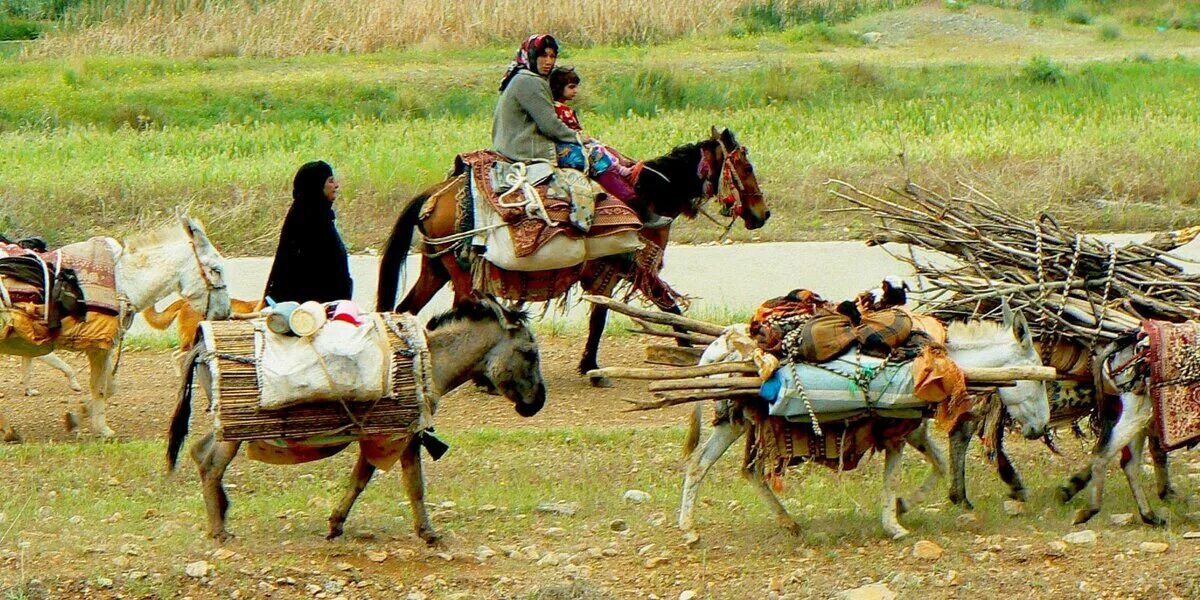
{"x":537,"y":217}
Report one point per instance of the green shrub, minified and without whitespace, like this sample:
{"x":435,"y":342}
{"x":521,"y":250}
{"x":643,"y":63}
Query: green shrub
{"x":1110,"y":32}
{"x":1079,"y":15}
{"x":16,"y":28}
{"x":1042,"y":70}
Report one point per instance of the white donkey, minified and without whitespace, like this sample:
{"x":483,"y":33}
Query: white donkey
{"x":970,"y":345}
{"x":149,"y":267}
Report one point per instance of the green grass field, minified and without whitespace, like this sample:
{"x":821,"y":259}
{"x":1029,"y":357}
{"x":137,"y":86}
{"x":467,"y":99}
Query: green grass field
{"x":1046,"y":116}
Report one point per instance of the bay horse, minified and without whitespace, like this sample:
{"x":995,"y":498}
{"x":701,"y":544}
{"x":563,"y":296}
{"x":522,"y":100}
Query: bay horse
{"x":478,"y":338}
{"x":177,"y":259}
{"x":673,"y":185}
{"x":980,"y":344}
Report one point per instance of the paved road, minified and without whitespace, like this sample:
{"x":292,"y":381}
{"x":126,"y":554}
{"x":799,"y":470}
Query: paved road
{"x":721,"y":278}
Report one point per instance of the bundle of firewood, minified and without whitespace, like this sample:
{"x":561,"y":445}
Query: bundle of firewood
{"x":679,"y":379}
{"x":1070,"y":286}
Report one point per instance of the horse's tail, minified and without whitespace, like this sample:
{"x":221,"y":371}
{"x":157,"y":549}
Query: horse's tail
{"x":396,"y":252}
{"x":693,"y":434}
{"x":183,"y":411}
{"x":162,"y":320}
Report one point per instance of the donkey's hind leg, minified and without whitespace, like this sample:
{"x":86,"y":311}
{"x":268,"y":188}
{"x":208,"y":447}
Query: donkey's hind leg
{"x":100,"y":367}
{"x":212,"y":458}
{"x":935,"y":456}
{"x":891,"y":478}
{"x":1131,"y":464}
{"x":1135,"y":415}
{"x":414,"y":484}
{"x":1162,"y":476}
{"x":53,"y":361}
{"x":360,"y":477}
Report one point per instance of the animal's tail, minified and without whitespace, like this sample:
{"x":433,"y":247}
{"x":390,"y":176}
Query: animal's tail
{"x":693,"y":434}
{"x":181,"y":421}
{"x":396,"y":252}
{"x":162,"y":320}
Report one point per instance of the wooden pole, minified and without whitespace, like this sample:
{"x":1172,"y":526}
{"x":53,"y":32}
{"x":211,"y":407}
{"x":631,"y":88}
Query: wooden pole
{"x":701,"y":383}
{"x":675,"y":356}
{"x":1036,"y":373}
{"x":661,"y":318}
{"x":679,"y":373}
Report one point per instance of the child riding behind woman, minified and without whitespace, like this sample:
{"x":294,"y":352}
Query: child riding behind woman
{"x":601,"y":163}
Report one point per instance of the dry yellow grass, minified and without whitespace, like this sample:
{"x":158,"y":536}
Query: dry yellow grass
{"x":292,"y":27}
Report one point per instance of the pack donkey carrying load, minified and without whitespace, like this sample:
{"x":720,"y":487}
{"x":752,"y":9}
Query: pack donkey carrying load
{"x":1117,"y":322}
{"x":376,"y":383}
{"x":810,"y":381}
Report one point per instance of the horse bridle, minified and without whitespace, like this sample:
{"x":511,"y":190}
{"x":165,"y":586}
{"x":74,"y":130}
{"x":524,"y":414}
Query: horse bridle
{"x":209,"y":286}
{"x":726,"y":187}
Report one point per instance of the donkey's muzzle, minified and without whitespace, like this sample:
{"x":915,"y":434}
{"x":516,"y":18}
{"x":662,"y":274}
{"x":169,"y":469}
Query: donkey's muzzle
{"x":528,"y":409}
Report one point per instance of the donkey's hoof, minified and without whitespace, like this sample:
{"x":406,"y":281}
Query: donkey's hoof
{"x":31,"y":392}
{"x":1084,"y":515}
{"x":1020,"y":495}
{"x":74,"y":385}
{"x":431,"y":537}
{"x":10,"y":436}
{"x":1153,"y":520}
{"x":897,"y":532}
{"x":601,"y":382}
{"x":901,"y":506}
{"x":691,"y":539}
{"x":223,"y":537}
{"x":335,"y":531}
{"x":1064,"y":494}
{"x":1167,"y":494}
{"x":71,"y":422}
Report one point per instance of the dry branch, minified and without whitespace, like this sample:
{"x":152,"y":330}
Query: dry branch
{"x":657,"y":317}
{"x":678,"y":373}
{"x":702,"y":383}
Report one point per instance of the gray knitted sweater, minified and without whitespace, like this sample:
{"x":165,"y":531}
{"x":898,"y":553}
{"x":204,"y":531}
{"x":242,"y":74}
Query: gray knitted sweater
{"x":525,"y":126}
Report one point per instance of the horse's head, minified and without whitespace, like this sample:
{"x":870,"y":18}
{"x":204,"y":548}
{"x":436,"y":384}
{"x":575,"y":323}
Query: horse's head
{"x":493,"y":343}
{"x":738,"y":189}
{"x":1008,"y":344}
{"x":202,"y":281}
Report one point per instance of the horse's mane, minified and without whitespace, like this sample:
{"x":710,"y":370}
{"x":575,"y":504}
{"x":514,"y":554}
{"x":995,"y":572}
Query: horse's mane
{"x":962,"y":333}
{"x":152,"y":239}
{"x":674,"y":195}
{"x":477,"y":312}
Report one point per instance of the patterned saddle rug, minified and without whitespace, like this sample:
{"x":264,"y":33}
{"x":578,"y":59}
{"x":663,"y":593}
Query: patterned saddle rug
{"x":528,"y":230}
{"x":93,"y":263}
{"x":1174,"y":359}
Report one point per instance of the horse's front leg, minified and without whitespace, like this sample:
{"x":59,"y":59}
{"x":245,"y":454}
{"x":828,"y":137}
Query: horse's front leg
{"x":100,"y":374}
{"x":359,"y":478}
{"x":432,"y":279}
{"x":414,"y":484}
{"x":212,"y":458}
{"x":935,"y":456}
{"x":891,"y":479}
{"x":1135,"y":415}
{"x":960,"y":443}
{"x":701,"y":461}
{"x":591,"y":349}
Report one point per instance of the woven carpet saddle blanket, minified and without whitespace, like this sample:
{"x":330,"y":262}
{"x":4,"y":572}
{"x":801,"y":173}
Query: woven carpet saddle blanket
{"x":259,"y":372}
{"x":540,"y":203}
{"x":1175,"y":380}
{"x":94,"y":263}
{"x":855,"y":383}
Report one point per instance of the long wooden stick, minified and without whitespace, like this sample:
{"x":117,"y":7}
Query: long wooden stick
{"x":1036,"y":373}
{"x":661,"y":318}
{"x":702,"y":383}
{"x":695,"y":338}
{"x":680,"y":373}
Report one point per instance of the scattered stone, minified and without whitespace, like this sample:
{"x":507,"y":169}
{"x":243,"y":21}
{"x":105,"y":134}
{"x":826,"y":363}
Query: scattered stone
{"x":44,"y":512}
{"x":874,"y":591}
{"x":488,"y":508}
{"x":644,"y":550}
{"x":566,"y":509}
{"x":1192,"y":535}
{"x":344,"y":566}
{"x":446,"y":556}
{"x":197,"y":569}
{"x":334,"y":586}
{"x":618,"y":525}
{"x":927,"y":550}
{"x":448,"y":504}
{"x":549,"y":560}
{"x":687,"y":595}
{"x":75,"y":520}
{"x":1153,"y":547}
{"x":657,"y":519}
{"x":609,"y":552}
{"x":1014,"y":508}
{"x":415,"y":595}
{"x":654,"y":562}
{"x":636,"y":496}
{"x":222,"y":554}
{"x":285,"y":581}
{"x":114,"y":481}
{"x":377,"y":556}
{"x":690,"y":539}
{"x":484,"y":552}
{"x":313,"y":589}
{"x":137,"y":575}
{"x":966,"y":519}
{"x":1056,"y":549}
{"x":113,"y":518}
{"x":1080,"y":538}
{"x":554,"y":532}
{"x":871,"y":38}
{"x":104,"y":583}
{"x":1121,"y":519}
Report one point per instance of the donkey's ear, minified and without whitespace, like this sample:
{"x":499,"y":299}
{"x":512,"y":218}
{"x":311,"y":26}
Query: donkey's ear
{"x":728,"y":139}
{"x":1006,"y":313}
{"x":715,"y":135}
{"x":1020,"y":329}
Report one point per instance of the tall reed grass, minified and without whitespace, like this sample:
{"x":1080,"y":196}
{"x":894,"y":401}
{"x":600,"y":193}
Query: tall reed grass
{"x":293,"y":27}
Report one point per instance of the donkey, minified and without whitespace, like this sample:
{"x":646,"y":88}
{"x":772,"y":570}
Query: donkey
{"x":1125,"y":413}
{"x":475,"y":339}
{"x":178,"y":259}
{"x":973,"y":345}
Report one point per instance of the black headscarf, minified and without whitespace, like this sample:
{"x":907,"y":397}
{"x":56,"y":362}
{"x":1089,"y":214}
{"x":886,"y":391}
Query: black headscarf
{"x":311,"y":262}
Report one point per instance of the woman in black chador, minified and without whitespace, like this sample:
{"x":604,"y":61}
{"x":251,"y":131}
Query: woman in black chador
{"x":311,"y":262}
